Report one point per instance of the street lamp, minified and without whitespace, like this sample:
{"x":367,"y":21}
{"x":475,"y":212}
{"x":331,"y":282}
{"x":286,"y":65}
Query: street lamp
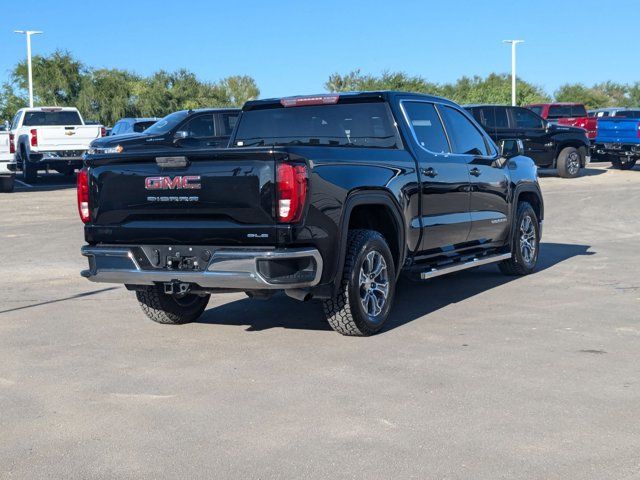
{"x":513,"y":68}
{"x":28,"y":33}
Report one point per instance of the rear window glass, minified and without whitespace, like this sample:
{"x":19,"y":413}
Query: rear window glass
{"x":229,"y":121}
{"x":343,"y":125}
{"x":567,"y":111}
{"x":142,"y":126}
{"x":628,"y":113}
{"x":46,"y":119}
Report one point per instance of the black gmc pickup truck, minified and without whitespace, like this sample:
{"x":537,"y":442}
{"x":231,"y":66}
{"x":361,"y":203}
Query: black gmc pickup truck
{"x":328,"y":197}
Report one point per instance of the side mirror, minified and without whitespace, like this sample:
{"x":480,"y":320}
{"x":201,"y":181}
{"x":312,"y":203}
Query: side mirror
{"x":180,"y":135}
{"x":511,"y":148}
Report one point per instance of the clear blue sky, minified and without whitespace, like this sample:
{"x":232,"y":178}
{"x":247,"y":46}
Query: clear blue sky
{"x":291,"y":47}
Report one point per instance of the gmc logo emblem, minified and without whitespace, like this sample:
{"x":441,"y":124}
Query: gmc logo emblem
{"x":167,"y":183}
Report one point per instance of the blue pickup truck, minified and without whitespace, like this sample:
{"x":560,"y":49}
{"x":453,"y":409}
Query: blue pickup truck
{"x":618,"y":139}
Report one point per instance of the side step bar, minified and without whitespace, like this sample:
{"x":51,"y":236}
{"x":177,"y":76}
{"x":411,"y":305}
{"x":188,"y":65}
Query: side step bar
{"x":476,"y":262}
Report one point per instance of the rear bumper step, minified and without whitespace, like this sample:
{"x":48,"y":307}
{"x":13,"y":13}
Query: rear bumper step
{"x":476,"y":262}
{"x":227,"y":268}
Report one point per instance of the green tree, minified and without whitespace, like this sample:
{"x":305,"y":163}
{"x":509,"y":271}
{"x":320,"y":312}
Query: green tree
{"x":57,"y":79}
{"x":495,"y":88}
{"x":356,"y":81}
{"x":108,"y":95}
{"x":579,"y":93}
{"x":10,"y":102}
{"x":239,"y":89}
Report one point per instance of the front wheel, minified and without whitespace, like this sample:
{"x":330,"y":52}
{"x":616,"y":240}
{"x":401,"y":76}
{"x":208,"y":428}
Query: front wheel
{"x":623,"y":163}
{"x":525,"y":244}
{"x":367,"y":288}
{"x":171,"y":309}
{"x":569,"y":162}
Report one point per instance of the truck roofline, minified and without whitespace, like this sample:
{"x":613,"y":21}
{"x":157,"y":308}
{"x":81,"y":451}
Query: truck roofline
{"x":348,"y":97}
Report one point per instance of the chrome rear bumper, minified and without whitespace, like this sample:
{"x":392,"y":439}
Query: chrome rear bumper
{"x":228,"y":268}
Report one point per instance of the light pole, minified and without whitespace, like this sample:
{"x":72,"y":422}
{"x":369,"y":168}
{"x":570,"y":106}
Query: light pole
{"x":28,"y":33}
{"x":513,"y":68}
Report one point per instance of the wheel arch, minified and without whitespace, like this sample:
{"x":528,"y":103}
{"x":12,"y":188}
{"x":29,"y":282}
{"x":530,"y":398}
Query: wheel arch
{"x":532,"y":195}
{"x":357,"y":213}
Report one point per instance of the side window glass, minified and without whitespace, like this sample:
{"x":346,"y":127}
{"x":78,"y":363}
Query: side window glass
{"x":116,"y":128}
{"x":199,"y":127}
{"x":16,"y":119}
{"x":502,"y":121}
{"x":426,"y":124}
{"x":228,"y":123}
{"x":526,"y":119}
{"x":465,"y":137}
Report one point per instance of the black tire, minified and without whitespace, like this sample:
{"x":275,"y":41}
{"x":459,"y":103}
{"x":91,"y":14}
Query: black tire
{"x":29,"y":171}
{"x":171,"y":309}
{"x":518,"y":263}
{"x":346,"y":312}
{"x":569,"y":162}
{"x":623,"y":163}
{"x":7,"y":184}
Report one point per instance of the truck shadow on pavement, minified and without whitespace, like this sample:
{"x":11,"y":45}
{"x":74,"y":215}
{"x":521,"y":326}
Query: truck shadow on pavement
{"x":413,"y":299}
{"x":46,"y":183}
{"x":586,"y":172}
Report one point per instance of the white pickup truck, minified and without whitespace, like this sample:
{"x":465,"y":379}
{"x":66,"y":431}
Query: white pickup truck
{"x":51,"y":138}
{"x":7,"y":162}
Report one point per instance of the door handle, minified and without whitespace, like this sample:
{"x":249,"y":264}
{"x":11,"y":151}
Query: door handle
{"x":429,"y":172}
{"x":475,"y":172}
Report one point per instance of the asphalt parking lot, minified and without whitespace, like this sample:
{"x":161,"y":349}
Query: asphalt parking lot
{"x":477,"y":376}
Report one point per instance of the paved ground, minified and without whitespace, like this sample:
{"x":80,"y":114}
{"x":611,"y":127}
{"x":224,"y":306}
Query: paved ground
{"x":478,"y":376}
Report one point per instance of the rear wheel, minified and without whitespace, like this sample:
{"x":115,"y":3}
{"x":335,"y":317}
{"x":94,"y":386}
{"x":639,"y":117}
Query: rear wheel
{"x":366,"y":291}
{"x":569,"y":162}
{"x":29,"y":170}
{"x":525,"y":244}
{"x":623,"y":163}
{"x":171,"y":309}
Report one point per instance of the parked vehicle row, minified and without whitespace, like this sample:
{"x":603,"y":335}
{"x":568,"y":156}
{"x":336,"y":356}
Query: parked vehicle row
{"x":328,"y":197}
{"x":549,"y":145}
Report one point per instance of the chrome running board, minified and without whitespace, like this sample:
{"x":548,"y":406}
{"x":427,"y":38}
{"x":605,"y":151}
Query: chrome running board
{"x":476,"y":262}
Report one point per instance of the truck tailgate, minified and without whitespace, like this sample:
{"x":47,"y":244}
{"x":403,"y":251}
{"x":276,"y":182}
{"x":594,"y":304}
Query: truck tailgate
{"x":618,"y":130}
{"x":66,"y":138}
{"x":218,"y":197}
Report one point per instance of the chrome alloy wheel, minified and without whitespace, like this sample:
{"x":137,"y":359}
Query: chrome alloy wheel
{"x":573,"y":163}
{"x":528,"y":240}
{"x":374,"y":283}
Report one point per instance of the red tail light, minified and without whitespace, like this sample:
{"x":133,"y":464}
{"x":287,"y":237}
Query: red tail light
{"x":103,"y":132}
{"x":12,"y":143}
{"x":83,"y":194}
{"x":291,"y":192}
{"x":34,"y":137}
